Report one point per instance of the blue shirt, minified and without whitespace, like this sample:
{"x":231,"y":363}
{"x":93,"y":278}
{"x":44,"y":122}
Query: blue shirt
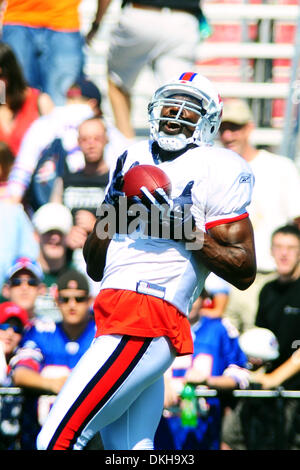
{"x":46,"y":344}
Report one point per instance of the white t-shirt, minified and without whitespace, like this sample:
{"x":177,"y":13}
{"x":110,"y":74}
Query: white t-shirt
{"x":62,"y":123}
{"x":275,"y":201}
{"x":166,"y":268}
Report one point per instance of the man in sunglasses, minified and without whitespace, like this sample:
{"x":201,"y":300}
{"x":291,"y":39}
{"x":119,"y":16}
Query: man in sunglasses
{"x":24,"y":283}
{"x":13,"y":320}
{"x":51,"y":350}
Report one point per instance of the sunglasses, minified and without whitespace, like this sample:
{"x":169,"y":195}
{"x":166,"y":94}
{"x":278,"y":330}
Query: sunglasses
{"x":16,"y":282}
{"x":6,"y":326}
{"x":230,"y":126}
{"x":65,"y":300}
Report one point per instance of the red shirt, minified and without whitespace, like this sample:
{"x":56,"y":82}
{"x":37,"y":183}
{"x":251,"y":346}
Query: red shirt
{"x":23,"y":119}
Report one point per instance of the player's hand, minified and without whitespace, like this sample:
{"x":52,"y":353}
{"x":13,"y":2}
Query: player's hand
{"x":173,"y":215}
{"x":114,"y":191}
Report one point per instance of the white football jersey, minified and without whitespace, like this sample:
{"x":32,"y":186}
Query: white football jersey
{"x":165,"y":268}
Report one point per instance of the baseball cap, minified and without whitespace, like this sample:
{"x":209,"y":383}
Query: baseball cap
{"x":85,"y":88}
{"x":260,"y":343}
{"x":10,"y":310}
{"x":52,"y":216}
{"x":237,"y":112}
{"x":72,"y":279}
{"x":28,"y":264}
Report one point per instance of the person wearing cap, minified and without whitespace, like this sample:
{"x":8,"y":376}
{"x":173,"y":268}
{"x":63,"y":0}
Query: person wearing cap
{"x":275,"y":201}
{"x":24,"y":282}
{"x":51,"y":350}
{"x":13,"y":321}
{"x":53,"y":139}
{"x":52,"y":223}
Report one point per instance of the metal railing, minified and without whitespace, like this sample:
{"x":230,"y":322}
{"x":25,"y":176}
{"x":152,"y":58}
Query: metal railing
{"x":279,"y":393}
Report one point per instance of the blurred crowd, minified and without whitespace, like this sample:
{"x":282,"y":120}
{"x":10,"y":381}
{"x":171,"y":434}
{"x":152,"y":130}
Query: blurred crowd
{"x":56,"y":152}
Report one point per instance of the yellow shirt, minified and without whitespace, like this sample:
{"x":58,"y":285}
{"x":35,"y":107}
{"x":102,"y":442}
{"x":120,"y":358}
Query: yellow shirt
{"x":61,"y":15}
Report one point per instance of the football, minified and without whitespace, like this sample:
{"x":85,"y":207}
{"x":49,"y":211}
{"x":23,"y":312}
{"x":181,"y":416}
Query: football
{"x":150,"y":176}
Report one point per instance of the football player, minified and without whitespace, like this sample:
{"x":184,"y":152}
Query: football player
{"x":149,"y":282}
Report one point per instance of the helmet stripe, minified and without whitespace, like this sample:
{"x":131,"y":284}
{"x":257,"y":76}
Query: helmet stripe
{"x":187,"y":76}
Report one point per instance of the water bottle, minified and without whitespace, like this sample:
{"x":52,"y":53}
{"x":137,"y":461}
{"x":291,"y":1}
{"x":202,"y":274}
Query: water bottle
{"x":189,"y":406}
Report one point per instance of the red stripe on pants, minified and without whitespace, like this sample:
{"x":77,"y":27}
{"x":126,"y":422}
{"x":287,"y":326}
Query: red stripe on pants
{"x":105,"y":383}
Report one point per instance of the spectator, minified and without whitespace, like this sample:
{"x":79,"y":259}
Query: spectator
{"x":52,"y":139}
{"x":83,"y":191}
{"x":49,"y":353}
{"x":13,"y":320}
{"x":275,"y":202}
{"x":254,"y":423}
{"x":279,"y":312}
{"x":279,"y":300}
{"x":52,"y":223}
{"x":20,"y":104}
{"x":16,"y":234}
{"x":217,"y":362}
{"x":47,"y":41}
{"x":24,"y":284}
{"x":136,"y":42}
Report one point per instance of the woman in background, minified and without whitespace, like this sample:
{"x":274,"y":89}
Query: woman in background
{"x":20,"y":104}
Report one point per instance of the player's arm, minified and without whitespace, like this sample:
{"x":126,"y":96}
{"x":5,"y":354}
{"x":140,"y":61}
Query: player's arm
{"x":94,"y":251}
{"x":228,"y":251}
{"x":96,"y":245}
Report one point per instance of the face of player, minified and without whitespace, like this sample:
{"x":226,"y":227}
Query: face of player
{"x":53,"y":245}
{"x":92,"y":139}
{"x":23,"y":289}
{"x":286,"y":252}
{"x":171,"y":111}
{"x":10,"y":336}
{"x":234,"y":137}
{"x":73,"y":304}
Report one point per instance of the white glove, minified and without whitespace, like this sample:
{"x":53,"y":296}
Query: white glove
{"x":240,"y":375}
